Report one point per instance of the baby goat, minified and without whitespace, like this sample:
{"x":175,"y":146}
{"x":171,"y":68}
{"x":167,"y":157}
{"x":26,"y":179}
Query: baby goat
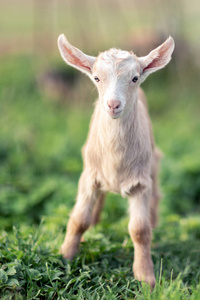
{"x":120,"y":153}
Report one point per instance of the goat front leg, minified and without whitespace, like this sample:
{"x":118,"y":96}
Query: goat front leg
{"x":81,"y":217}
{"x":140,"y":232}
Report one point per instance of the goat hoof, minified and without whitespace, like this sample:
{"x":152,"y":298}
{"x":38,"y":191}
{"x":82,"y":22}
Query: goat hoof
{"x":150,"y":280}
{"x":68,"y":252}
{"x":82,"y":239}
{"x":145,"y":275}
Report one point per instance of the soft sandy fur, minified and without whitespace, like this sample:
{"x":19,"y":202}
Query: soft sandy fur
{"x":120,"y":153}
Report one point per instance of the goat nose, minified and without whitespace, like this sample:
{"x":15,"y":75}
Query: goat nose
{"x":114,"y":104}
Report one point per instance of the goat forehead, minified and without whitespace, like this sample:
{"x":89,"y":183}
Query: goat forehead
{"x":114,"y":54}
{"x":117,"y":60}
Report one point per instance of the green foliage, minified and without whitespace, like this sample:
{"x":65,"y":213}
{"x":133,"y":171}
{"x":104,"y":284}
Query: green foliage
{"x":41,"y":162}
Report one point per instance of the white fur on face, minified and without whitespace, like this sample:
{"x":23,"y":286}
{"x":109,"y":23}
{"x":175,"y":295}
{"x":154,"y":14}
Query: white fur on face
{"x":115,"y":70}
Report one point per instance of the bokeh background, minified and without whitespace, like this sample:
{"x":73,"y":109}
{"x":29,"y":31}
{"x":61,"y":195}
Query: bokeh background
{"x":45,"y":106}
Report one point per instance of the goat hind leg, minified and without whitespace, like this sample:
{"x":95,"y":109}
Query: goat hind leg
{"x":98,"y":208}
{"x":155,"y":198}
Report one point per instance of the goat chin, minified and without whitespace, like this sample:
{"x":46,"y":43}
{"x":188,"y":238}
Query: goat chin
{"x":114,"y":115}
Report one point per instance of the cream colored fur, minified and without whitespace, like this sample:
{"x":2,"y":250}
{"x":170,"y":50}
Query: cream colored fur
{"x":120,"y":154}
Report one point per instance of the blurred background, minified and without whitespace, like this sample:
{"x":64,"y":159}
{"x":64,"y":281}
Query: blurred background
{"x":45,"y":106}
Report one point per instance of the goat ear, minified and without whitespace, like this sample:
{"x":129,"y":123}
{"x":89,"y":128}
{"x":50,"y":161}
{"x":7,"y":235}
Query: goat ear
{"x":75,"y":57}
{"x":157,"y":59}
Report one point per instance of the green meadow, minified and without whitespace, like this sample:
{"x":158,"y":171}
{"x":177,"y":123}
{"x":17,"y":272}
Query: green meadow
{"x":45,"y":110}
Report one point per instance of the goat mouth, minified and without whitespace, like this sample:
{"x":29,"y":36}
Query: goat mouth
{"x":114,"y":115}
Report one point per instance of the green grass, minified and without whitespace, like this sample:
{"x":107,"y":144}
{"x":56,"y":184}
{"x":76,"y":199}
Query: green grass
{"x":102,"y":269}
{"x":40,"y":159}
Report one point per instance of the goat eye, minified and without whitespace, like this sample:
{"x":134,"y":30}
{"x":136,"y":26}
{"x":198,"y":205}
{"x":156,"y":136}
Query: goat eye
{"x":96,"y":79}
{"x":135,"y":79}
